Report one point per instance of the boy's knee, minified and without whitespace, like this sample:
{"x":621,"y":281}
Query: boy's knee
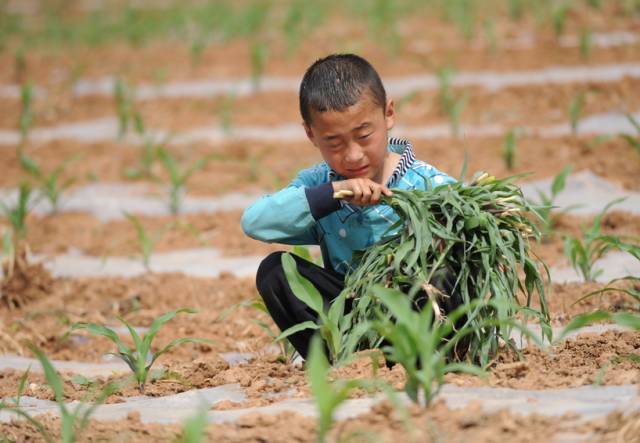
{"x":271,"y":263}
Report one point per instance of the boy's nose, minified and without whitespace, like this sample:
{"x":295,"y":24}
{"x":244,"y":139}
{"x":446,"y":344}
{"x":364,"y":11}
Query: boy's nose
{"x":354,"y":153}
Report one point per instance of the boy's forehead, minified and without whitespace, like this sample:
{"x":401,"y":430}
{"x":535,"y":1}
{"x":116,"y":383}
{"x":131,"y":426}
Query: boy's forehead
{"x":361,"y":114}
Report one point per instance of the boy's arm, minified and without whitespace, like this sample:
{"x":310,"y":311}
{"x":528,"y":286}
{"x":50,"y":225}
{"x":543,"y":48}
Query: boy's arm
{"x":289,"y":216}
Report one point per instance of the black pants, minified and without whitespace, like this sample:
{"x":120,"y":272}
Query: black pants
{"x":287,"y":310}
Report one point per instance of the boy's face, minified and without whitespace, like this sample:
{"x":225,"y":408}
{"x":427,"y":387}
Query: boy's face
{"x":354,"y":142}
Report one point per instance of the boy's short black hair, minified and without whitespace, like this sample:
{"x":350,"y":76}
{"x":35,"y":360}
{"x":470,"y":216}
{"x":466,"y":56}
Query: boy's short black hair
{"x":338,"y":81}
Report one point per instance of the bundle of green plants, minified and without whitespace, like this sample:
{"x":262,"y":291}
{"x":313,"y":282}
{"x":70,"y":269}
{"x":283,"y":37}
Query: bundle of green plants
{"x":457,"y":243}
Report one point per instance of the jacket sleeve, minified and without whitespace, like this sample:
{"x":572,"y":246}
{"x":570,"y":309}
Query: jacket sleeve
{"x":284,"y":216}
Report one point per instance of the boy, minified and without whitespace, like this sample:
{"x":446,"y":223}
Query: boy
{"x":346,"y":115}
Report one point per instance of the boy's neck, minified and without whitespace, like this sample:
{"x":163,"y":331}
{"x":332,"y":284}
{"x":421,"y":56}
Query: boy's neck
{"x":390,"y":164}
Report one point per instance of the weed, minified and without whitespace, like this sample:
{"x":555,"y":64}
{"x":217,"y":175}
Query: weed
{"x":468,"y":241}
{"x":544,"y":207}
{"x":575,"y":111}
{"x":50,"y":185}
{"x":178,"y":179}
{"x":510,"y":147}
{"x":72,"y":421}
{"x":146,"y":241}
{"x":137,"y":359}
{"x":585,"y":40}
{"x":585,"y":250}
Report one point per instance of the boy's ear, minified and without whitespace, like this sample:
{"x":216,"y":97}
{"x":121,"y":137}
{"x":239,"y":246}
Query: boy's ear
{"x":309,"y":132}
{"x":390,"y":114}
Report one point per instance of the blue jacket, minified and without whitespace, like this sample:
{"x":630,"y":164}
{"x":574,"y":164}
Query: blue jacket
{"x":305,"y":213}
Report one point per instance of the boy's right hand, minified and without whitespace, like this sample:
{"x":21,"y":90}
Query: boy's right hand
{"x":365,"y":191}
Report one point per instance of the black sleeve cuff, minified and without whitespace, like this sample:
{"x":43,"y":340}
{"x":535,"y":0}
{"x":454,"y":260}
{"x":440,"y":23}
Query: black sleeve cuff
{"x":321,"y":201}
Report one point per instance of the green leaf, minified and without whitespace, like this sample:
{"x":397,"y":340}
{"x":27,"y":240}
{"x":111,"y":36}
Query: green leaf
{"x":157,"y":324}
{"x":301,"y":287}
{"x":297,"y":328}
{"x":560,"y":180}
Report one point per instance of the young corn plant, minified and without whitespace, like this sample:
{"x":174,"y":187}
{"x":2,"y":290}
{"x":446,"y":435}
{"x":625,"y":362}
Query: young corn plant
{"x":22,"y":384}
{"x":50,"y":185}
{"x":178,"y":178}
{"x":123,"y":97}
{"x":545,"y":205}
{"x":293,"y":25}
{"x":559,"y":17}
{"x":490,"y":36}
{"x":424,"y":341}
{"x":516,"y":9}
{"x":510,"y":146}
{"x":459,"y":243}
{"x":451,"y":104}
{"x":17,"y":214}
{"x":584,"y":251}
{"x":26,"y":113}
{"x":328,"y":396}
{"x":194,"y":428}
{"x":259,"y":54}
{"x":332,"y":323}
{"x":146,"y":240}
{"x":72,"y":421}
{"x":633,"y":140}
{"x":137,"y":359}
{"x":575,"y":111}
{"x":585,"y":42}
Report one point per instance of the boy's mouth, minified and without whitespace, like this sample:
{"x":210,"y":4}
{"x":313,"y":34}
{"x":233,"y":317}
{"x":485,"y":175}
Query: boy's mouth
{"x":358,"y":171}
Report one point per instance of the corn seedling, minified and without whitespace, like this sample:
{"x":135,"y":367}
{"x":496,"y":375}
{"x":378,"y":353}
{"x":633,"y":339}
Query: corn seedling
{"x":225,"y":112}
{"x":20,"y":62}
{"x":17,"y":214}
{"x":259,"y":54}
{"x":633,"y":291}
{"x":178,"y":179}
{"x":292,"y":25}
{"x":490,"y":35}
{"x":328,"y":396}
{"x":124,"y":99}
{"x":332,"y":322}
{"x":516,"y":9}
{"x":382,"y":15}
{"x":450,"y":104}
{"x":468,"y":240}
{"x":584,"y":251}
{"x":559,"y":17}
{"x":543,"y":208}
{"x":575,"y":111}
{"x":146,"y":241}
{"x":287,"y":351}
{"x":196,"y":50}
{"x":194,"y":428}
{"x":633,"y":140}
{"x":50,"y":185}
{"x":22,"y":384}
{"x":510,"y":147}
{"x":626,"y":319}
{"x":137,"y":359}
{"x":423,"y":341}
{"x":26,"y":113}
{"x":72,"y":421}
{"x":595,"y":4}
{"x":585,"y":42}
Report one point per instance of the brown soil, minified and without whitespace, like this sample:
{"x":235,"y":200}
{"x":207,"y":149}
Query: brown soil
{"x":51,"y":234}
{"x":24,"y":282}
{"x":530,"y":105}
